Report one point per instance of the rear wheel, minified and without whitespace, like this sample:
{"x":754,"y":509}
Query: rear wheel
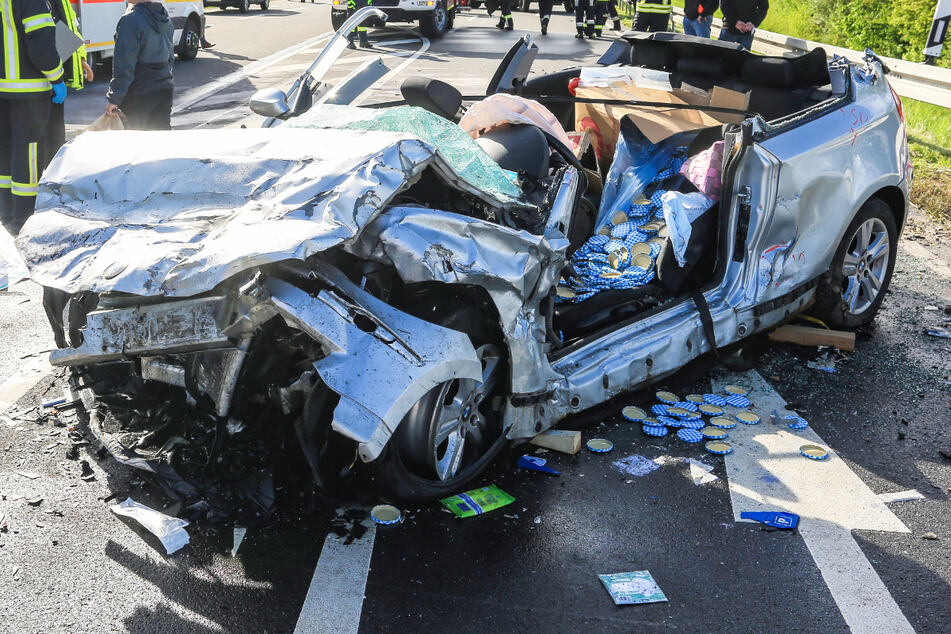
{"x":265,"y":4}
{"x":243,"y":6}
{"x":337,"y":18}
{"x":452,"y":433}
{"x":435,"y":24}
{"x":191,"y":41}
{"x":852,"y":291}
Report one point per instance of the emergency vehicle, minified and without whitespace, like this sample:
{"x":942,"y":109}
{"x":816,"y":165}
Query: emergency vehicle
{"x":435,"y":17}
{"x":98,"y":19}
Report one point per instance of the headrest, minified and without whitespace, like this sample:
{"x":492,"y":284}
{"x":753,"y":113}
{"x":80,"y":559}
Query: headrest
{"x":812,"y":68}
{"x":774,"y":72}
{"x":433,"y":95}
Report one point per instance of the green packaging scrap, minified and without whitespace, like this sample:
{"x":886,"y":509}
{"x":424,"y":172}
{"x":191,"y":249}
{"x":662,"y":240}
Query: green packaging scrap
{"x":632,"y":587}
{"x":477,"y":501}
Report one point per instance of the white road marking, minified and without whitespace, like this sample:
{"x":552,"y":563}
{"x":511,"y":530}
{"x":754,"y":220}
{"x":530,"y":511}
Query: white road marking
{"x":334,"y":600}
{"x":194,"y":95}
{"x":21,"y":382}
{"x":928,"y":258}
{"x":767,"y":473}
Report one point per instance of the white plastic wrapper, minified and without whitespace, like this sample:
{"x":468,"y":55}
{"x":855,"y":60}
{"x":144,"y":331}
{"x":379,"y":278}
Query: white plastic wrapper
{"x":12,"y":268}
{"x":642,"y":77}
{"x":170,"y":530}
{"x":679,"y":211}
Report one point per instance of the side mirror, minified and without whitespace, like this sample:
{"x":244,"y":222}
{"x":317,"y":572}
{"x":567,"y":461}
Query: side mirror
{"x":269,"y":102}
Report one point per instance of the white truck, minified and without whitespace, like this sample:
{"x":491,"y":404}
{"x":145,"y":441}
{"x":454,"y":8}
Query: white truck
{"x":435,"y":17}
{"x":98,"y":19}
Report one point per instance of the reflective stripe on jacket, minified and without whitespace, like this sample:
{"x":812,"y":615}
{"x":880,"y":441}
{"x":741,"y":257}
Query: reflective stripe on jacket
{"x":62,"y":11}
{"x":30,"y":62}
{"x":654,"y":6}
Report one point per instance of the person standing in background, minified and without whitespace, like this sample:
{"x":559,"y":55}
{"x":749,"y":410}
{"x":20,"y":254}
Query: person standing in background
{"x":698,"y":16}
{"x":652,"y":16}
{"x":142,"y":85}
{"x":75,"y":70}
{"x":30,"y":75}
{"x":740,"y":19}
{"x":585,"y":18}
{"x":603,"y":9}
{"x":505,"y":19}
{"x":544,"y":13}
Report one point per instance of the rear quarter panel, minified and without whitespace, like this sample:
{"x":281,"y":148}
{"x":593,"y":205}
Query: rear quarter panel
{"x":827,"y":168}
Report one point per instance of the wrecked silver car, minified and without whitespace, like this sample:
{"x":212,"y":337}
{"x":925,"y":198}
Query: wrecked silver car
{"x":389,"y":286}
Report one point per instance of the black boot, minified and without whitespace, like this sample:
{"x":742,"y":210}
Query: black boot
{"x":350,"y":43}
{"x":589,"y":30}
{"x":617,"y":24}
{"x":545,"y":25}
{"x":501,"y":24}
{"x":509,"y":24}
{"x":365,"y":40}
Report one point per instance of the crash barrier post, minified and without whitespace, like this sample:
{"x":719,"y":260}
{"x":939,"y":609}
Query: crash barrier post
{"x":909,"y":79}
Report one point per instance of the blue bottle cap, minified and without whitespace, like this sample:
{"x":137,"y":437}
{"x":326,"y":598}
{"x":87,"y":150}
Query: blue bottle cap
{"x":675,"y":410}
{"x":736,"y":389}
{"x":634,"y":414}
{"x":695,"y":398}
{"x":814,"y":452}
{"x":600,"y":445}
{"x":723,"y":422}
{"x":747,"y":417}
{"x":711,"y":410}
{"x":696,"y":423}
{"x":737,"y":401}
{"x":386,"y":514}
{"x":667,"y":397}
{"x":714,"y":399}
{"x":670,"y":421}
{"x":687,"y":405}
{"x":659,"y":409}
{"x":719,"y":447}
{"x":798,"y":423}
{"x":689,"y":435}
{"x":713,"y":433}
{"x":657,"y":431}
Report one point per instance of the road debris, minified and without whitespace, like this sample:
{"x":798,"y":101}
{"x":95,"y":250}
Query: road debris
{"x":35,"y":501}
{"x":940,"y":333}
{"x":386,"y":514}
{"x":814,"y":452}
{"x":533,"y":463}
{"x":776,"y":519}
{"x":562,"y":440}
{"x":628,"y":588}
{"x":87,"y":473}
{"x":28,"y":474}
{"x":239,"y":533}
{"x":901,"y":496}
{"x":477,"y":501}
{"x":600,"y":445}
{"x":810,"y":336}
{"x":929,"y":535}
{"x":635,"y":465}
{"x":700,"y":472}
{"x":170,"y":530}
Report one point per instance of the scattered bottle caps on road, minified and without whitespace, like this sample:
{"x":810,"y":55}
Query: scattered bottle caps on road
{"x":689,"y":435}
{"x":719,"y":447}
{"x":747,"y":417}
{"x":713,"y":433}
{"x":723,"y":422}
{"x":737,"y":401}
{"x":386,"y":514}
{"x":657,"y":431}
{"x":634,"y":414}
{"x":814,"y":452}
{"x":600,"y":445}
{"x":714,"y":399}
{"x":667,"y":397}
{"x":736,"y":389}
{"x":697,"y":399}
{"x":711,"y":410}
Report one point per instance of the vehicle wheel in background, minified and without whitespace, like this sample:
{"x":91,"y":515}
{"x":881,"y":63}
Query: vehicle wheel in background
{"x":435,"y":24}
{"x":191,"y":41}
{"x":265,"y":4}
{"x":852,"y":291}
{"x":243,"y":6}
{"x":452,"y":20}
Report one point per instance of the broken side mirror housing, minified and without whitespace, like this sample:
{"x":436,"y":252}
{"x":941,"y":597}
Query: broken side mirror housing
{"x":269,"y":102}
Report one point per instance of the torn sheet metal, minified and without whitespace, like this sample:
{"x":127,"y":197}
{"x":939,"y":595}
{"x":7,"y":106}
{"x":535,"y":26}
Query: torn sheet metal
{"x":154,"y":214}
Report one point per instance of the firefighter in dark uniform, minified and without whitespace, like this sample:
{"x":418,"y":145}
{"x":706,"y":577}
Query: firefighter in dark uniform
{"x":75,"y":71}
{"x":585,"y":18}
{"x":544,"y":13}
{"x":652,"y":16}
{"x":352,"y":6}
{"x":603,"y":9}
{"x":30,"y":75}
{"x":505,"y":19}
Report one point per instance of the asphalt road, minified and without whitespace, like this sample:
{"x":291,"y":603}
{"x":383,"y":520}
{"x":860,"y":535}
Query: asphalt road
{"x":67,"y":563}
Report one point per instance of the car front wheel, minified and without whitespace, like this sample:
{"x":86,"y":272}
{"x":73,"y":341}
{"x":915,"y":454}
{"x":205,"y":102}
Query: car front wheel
{"x":191,"y":40}
{"x":243,"y":6}
{"x":852,"y":291}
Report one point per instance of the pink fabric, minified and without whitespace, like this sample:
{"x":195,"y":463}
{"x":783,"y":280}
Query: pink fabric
{"x":502,"y":109}
{"x":703,"y":170}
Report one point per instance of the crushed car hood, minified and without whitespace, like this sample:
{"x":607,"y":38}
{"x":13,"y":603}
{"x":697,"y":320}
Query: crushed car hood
{"x":174,"y":214}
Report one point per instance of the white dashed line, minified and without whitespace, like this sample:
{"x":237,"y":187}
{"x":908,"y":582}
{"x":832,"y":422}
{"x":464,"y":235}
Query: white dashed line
{"x":334,"y":600}
{"x":767,"y":473}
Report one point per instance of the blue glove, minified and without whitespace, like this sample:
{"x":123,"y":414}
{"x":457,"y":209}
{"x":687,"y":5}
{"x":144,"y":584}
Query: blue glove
{"x":59,"y":92}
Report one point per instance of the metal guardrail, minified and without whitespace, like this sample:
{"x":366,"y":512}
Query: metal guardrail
{"x":909,"y":79}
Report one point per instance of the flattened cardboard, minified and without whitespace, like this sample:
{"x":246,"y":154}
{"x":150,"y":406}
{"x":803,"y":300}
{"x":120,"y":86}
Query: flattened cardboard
{"x":724,"y":98}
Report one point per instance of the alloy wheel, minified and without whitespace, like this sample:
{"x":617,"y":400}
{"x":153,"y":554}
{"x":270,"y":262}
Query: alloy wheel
{"x":865,"y":266}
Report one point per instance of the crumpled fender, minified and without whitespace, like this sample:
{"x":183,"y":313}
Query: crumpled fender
{"x":380,"y":360}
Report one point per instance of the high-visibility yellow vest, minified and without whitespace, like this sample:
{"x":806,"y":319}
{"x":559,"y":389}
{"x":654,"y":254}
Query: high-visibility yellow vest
{"x":29,"y":62}
{"x":654,"y":6}
{"x":79,"y":55}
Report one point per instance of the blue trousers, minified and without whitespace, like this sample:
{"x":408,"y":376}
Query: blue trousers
{"x":743,"y":39}
{"x":699,"y":27}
